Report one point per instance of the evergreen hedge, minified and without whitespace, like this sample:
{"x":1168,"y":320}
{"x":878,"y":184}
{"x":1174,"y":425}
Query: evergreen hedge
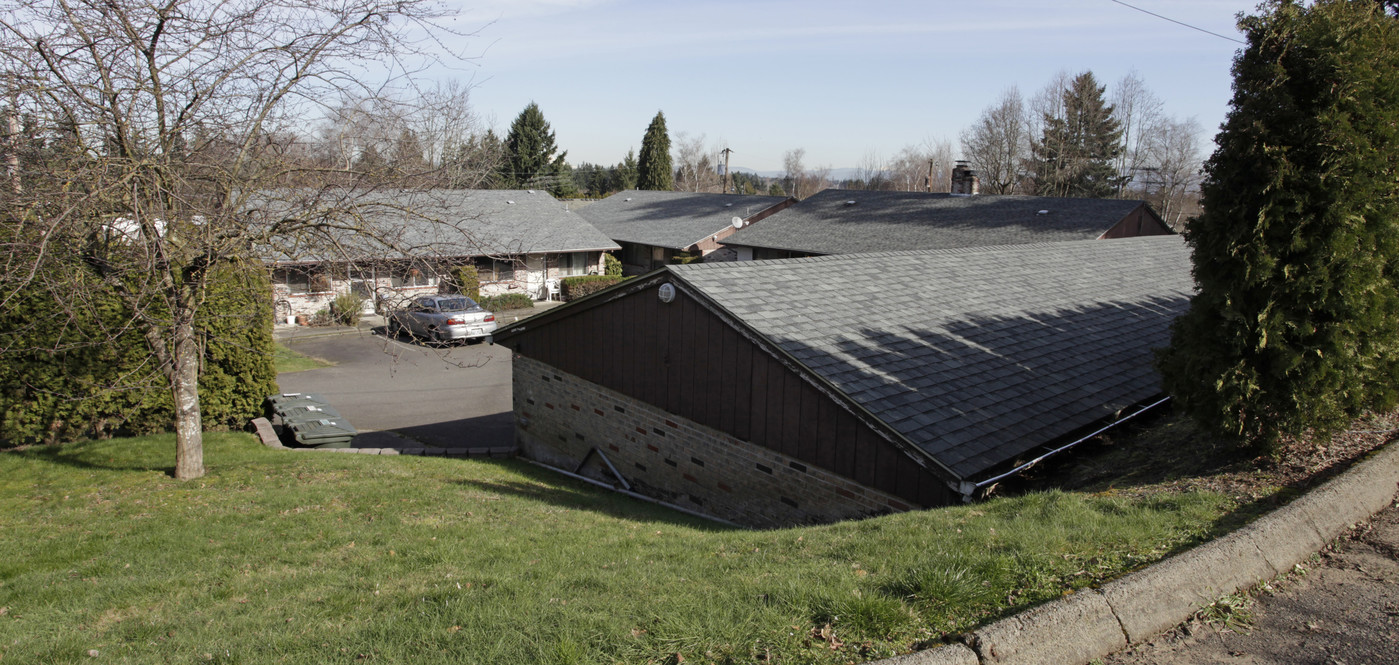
{"x":59,"y":384}
{"x":577,"y":287}
{"x":506,"y":301}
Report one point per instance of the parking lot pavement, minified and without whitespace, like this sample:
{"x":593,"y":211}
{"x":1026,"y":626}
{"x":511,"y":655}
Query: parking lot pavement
{"x":453,"y":397}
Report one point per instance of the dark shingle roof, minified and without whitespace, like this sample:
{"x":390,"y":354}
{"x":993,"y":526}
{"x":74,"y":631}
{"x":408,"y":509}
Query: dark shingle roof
{"x":670,"y":219}
{"x":469,"y":222}
{"x":975,"y":355}
{"x":827,"y":223}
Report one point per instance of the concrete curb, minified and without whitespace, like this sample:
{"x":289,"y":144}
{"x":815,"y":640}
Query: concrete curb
{"x":1096,"y":622}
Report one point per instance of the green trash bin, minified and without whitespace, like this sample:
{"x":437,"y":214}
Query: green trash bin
{"x":321,"y":432}
{"x":308,"y":411}
{"x":283,"y":401}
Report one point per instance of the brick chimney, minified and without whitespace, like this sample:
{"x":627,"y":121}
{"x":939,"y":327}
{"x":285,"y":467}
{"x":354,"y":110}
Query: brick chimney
{"x":964,"y":180}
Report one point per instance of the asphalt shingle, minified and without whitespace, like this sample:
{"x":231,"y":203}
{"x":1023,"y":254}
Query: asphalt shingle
{"x":838,"y":221}
{"x":1002,"y":349}
{"x":675,"y":220}
{"x":466,"y":222}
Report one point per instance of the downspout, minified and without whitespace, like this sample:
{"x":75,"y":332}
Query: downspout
{"x":968,"y":488}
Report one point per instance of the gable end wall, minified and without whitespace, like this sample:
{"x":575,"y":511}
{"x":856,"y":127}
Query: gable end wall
{"x":561,"y":417}
{"x":683,"y":359}
{"x":1139,"y":222}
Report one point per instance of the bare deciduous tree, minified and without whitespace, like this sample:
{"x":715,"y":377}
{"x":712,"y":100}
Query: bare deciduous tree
{"x":999,"y":143}
{"x":870,"y":174}
{"x":1171,"y":184}
{"x":176,"y":146}
{"x":695,"y":168}
{"x":794,"y":171}
{"x":1048,"y":103}
{"x":924,"y":168}
{"x":1139,"y":112}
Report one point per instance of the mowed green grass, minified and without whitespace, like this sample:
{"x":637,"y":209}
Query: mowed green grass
{"x":287,"y":360}
{"x":300,"y":557}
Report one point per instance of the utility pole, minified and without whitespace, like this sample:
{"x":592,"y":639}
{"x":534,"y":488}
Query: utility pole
{"x":931,"y":163}
{"x":728,"y":181}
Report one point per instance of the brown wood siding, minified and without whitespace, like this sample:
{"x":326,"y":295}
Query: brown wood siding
{"x":682,"y":358}
{"x":1139,"y":222}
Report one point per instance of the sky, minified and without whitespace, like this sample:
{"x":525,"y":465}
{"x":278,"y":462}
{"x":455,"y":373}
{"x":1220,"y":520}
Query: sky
{"x":841,"y":80}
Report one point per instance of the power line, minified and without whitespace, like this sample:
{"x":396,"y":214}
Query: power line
{"x":1166,"y":18}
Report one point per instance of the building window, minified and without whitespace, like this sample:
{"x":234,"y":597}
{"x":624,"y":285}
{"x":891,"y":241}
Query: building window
{"x":303,"y":281}
{"x":573,"y":264}
{"x":412,"y":277}
{"x":495,"y":270}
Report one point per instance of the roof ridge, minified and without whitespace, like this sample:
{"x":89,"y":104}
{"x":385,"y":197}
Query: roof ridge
{"x":945,"y":251}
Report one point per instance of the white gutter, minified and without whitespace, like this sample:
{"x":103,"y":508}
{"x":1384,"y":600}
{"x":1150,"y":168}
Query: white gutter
{"x":968,"y":488}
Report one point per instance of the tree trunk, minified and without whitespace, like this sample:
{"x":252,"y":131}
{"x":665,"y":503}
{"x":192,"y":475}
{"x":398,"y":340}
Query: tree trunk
{"x":184,"y":388}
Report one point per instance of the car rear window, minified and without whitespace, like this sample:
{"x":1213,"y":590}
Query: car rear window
{"x":455,"y":304}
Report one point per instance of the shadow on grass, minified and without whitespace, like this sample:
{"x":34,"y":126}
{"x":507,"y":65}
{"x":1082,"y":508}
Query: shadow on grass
{"x":1165,"y":452}
{"x":75,"y":456}
{"x":559,"y":490}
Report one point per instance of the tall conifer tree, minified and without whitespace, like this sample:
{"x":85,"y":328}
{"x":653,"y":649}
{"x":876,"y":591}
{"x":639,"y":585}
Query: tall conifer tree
{"x":529,"y":159}
{"x":1074,"y":157}
{"x":1297,"y":251}
{"x":653,"y":166}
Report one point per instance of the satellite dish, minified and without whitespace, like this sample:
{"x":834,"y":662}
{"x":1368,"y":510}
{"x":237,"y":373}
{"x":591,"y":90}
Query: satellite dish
{"x":737,"y":222}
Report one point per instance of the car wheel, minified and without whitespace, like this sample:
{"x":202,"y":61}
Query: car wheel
{"x":395,"y":329}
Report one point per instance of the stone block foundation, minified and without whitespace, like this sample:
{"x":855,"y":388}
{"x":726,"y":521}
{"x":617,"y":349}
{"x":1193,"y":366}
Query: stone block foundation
{"x":560,"y":418}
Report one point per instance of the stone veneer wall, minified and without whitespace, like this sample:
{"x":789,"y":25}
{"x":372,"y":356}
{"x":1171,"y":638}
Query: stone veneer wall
{"x":560,"y":417}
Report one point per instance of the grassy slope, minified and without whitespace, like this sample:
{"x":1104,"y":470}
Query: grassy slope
{"x":281,"y":557}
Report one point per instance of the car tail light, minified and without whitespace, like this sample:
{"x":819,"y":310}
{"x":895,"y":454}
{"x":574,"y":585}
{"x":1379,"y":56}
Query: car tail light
{"x":488,"y":319}
{"x":456,"y":321}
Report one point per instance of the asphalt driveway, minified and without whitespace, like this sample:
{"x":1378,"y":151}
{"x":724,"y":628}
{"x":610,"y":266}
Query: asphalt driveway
{"x":454,"y":397}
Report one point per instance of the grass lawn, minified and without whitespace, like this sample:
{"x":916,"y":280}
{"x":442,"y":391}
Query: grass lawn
{"x":295,"y":557}
{"x":287,"y":361}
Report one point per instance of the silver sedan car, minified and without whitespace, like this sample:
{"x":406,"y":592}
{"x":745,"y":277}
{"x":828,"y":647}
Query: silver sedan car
{"x":442,"y":319}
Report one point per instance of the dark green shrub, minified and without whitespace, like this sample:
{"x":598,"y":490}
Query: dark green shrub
{"x":467,"y":281}
{"x":507,"y":301}
{"x":345,"y":309}
{"x":59,"y":382}
{"x":611,"y":265}
{"x":1296,"y":254}
{"x":577,"y":287}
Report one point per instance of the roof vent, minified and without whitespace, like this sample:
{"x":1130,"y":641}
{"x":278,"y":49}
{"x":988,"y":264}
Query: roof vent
{"x":851,"y":202}
{"x":530,"y":191}
{"x":1042,"y":212}
{"x":728,"y":205}
{"x":510,"y":202}
{"x":627,"y":199}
